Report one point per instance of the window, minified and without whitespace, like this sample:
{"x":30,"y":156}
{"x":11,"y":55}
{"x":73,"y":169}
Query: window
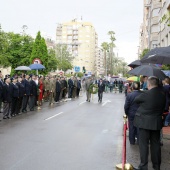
{"x":155,"y":12}
{"x":155,"y":28}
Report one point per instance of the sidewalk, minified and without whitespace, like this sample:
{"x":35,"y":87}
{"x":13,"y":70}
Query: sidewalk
{"x":166,"y":132}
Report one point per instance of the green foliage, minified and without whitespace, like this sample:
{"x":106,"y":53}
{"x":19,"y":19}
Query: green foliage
{"x":166,"y":67}
{"x":40,"y":51}
{"x":144,"y":52}
{"x":52,"y":60}
{"x":64,"y":59}
{"x":79,"y":74}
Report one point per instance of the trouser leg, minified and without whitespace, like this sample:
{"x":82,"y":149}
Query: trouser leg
{"x":99,"y":95}
{"x":155,"y":149}
{"x":61,"y":95}
{"x":14,"y":106}
{"x":132,"y":131}
{"x":144,"y":136}
{"x":31,"y":102}
{"x":6,"y":109}
{"x":0,"y":105}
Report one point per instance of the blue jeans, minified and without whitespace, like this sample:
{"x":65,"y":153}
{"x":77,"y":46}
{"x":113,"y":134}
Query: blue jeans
{"x":167,"y":120}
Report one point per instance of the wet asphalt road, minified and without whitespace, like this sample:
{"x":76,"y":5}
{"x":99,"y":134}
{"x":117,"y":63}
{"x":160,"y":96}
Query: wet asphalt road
{"x":75,"y":135}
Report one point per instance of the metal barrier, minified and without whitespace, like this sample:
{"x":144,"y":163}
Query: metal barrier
{"x":124,"y":165}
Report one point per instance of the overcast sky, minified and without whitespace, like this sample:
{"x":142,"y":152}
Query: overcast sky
{"x":122,"y":16}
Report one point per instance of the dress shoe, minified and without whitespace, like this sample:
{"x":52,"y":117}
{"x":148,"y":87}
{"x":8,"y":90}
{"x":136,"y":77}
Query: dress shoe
{"x":9,"y":117}
{"x":5,"y":117}
{"x":31,"y":109}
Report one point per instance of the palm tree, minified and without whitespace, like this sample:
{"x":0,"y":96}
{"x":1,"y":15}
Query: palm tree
{"x":111,"y":46}
{"x":105,"y":48}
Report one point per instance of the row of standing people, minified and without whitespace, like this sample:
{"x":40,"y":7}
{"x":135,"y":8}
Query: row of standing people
{"x":21,"y":92}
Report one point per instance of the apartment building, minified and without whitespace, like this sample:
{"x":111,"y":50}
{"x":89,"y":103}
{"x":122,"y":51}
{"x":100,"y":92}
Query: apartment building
{"x":155,"y":29}
{"x":143,"y":36}
{"x":81,"y":40}
{"x":164,"y":18}
{"x":99,"y":62}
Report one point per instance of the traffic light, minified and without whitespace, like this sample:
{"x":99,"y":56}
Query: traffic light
{"x":84,"y":69}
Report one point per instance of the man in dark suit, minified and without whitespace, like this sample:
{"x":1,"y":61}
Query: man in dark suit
{"x":7,"y":99}
{"x":21,"y":94}
{"x":130,"y":108}
{"x":26,"y":93}
{"x":33,"y":93}
{"x":1,"y":90}
{"x":148,"y":119}
{"x":71,"y":87}
{"x":58,"y":90}
{"x":15,"y":96}
{"x":101,"y":88}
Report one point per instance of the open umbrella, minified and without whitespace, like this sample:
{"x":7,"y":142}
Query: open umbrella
{"x":134,"y":78}
{"x":36,"y":67}
{"x":147,"y":70}
{"x":23,"y":68}
{"x":159,"y":55}
{"x":135,"y":63}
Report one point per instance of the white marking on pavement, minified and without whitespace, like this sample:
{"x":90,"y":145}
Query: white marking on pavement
{"x":108,"y":101}
{"x":54,"y":116}
{"x":82,"y":103}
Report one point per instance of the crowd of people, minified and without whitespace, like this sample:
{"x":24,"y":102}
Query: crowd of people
{"x":146,"y":104}
{"x":20,"y":93}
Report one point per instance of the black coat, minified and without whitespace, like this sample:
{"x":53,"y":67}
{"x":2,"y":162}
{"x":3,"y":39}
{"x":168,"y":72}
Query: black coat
{"x":26,"y":87}
{"x":130,"y":106}
{"x":58,"y":87}
{"x":7,"y":96}
{"x":79,"y":84}
{"x":33,"y":88}
{"x":167,"y":93}
{"x":151,"y":107}
{"x":101,"y":87}
{"x":21,"y":89}
{"x":70,"y":83}
{"x":14,"y":90}
{"x":1,"y":89}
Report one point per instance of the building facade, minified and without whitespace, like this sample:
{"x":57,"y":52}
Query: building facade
{"x":81,"y":40}
{"x":99,"y":62}
{"x":155,"y":29}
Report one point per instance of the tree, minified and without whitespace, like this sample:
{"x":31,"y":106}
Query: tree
{"x":52,"y":60}
{"x":64,"y":58}
{"x":144,"y":52}
{"x":19,"y":49}
{"x":111,"y":46}
{"x":3,"y":49}
{"x":40,"y":51}
{"x":105,"y":48}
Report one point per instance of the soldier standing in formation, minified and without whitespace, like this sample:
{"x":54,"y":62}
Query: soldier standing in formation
{"x":14,"y":89}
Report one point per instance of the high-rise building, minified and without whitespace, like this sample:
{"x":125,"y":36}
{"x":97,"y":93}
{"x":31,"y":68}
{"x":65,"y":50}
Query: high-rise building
{"x":99,"y":62}
{"x":155,"y":29}
{"x":81,"y":40}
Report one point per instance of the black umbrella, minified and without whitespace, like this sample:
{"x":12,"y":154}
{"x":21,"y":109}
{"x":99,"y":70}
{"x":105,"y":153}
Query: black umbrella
{"x":159,"y":55}
{"x":147,"y":70}
{"x":135,"y":63}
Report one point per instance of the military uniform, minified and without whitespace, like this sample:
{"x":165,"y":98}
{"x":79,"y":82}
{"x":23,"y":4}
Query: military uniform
{"x":87,"y":86}
{"x":46,"y":89}
{"x":15,"y":96}
{"x":51,"y":91}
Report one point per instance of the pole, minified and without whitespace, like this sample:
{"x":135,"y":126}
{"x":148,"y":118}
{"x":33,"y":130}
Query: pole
{"x":124,"y":165}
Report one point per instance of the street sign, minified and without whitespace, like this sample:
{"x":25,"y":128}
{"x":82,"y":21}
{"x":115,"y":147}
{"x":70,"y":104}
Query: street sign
{"x":77,"y":69}
{"x":89,"y":73}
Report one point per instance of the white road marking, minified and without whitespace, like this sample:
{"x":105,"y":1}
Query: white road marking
{"x":54,"y":116}
{"x":82,"y":103}
{"x":108,"y":101}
